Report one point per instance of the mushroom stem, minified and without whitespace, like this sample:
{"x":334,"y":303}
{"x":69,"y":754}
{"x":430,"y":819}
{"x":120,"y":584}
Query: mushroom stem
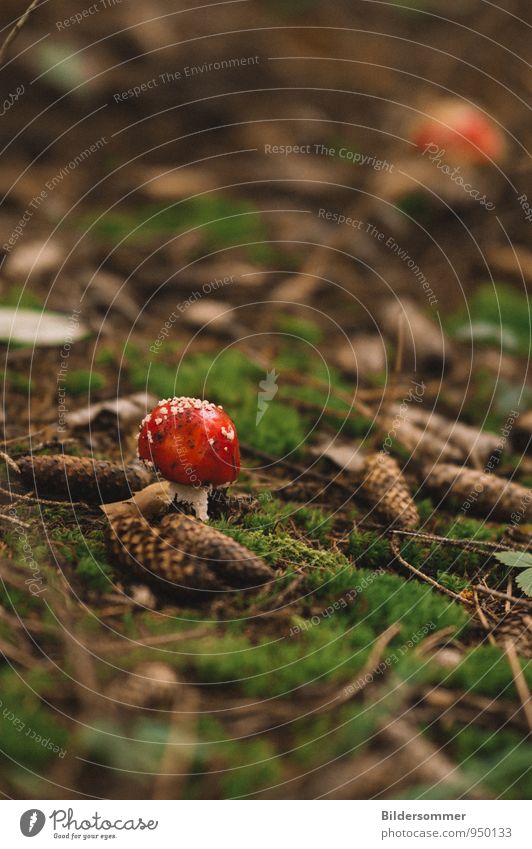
{"x":196,"y":496}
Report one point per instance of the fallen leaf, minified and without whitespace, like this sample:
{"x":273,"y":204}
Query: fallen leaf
{"x":148,"y":502}
{"x":31,"y":327}
{"x":127,"y":409}
{"x":346,"y":455}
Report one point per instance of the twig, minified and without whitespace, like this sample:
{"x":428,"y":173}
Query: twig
{"x":45,"y":501}
{"x":509,"y":592}
{"x":358,"y":683}
{"x":23,"y":438}
{"x":483,"y":547}
{"x":394,"y":544}
{"x":524,"y":602}
{"x":16,"y":29}
{"x":520,"y":681}
{"x":19,"y":655}
{"x":482,"y":616}
{"x":5,"y":518}
{"x":389,"y":391}
{"x":11,"y":463}
{"x":434,"y":639}
{"x":152,"y":641}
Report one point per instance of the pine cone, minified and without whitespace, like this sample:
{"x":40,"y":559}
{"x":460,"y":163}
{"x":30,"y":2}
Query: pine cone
{"x":522,"y":433}
{"x":187,"y":555}
{"x":384,"y":488}
{"x":81,"y":478}
{"x":480,"y":493}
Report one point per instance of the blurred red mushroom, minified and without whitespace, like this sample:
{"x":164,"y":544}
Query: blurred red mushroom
{"x":460,"y":132}
{"x":193,"y":444}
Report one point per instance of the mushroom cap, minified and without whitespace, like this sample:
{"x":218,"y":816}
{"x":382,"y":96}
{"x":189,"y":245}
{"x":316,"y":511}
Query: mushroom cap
{"x":191,"y":442}
{"x":463,"y":131}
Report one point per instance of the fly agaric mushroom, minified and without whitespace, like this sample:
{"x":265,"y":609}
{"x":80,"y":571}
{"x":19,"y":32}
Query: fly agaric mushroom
{"x":193,"y":444}
{"x":461,"y":132}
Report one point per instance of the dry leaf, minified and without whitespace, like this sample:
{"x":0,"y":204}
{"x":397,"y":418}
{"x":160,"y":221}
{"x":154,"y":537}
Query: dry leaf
{"x":39,"y":328}
{"x":128,"y":409}
{"x":346,"y":455}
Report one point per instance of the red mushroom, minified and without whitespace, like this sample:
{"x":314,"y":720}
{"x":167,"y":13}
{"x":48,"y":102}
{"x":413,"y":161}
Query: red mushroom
{"x":193,"y":444}
{"x":461,"y":132}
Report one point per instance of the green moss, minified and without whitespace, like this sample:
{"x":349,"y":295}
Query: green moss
{"x":241,"y":767}
{"x":485,"y":670}
{"x":315,"y":522}
{"x":95,"y":574}
{"x":453,"y":582}
{"x":280,"y":549}
{"x":499,"y":759}
{"x":27,"y":726}
{"x":19,"y":382}
{"x":497,"y":315}
{"x":465,"y":528}
{"x":303,"y":329}
{"x":221,"y":221}
{"x":425,"y":508}
{"x":86,"y":552}
{"x":81,"y":380}
{"x":369,"y":549}
{"x":106,"y":357}
{"x":347,"y":731}
{"x":22,"y":297}
{"x":232,"y":380}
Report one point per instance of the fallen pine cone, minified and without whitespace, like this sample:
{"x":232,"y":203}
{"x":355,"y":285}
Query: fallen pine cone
{"x":81,"y":478}
{"x":481,"y":493}
{"x":522,"y":433}
{"x":384,"y":487}
{"x":185,"y":553}
{"x":443,"y":439}
{"x":417,"y":441}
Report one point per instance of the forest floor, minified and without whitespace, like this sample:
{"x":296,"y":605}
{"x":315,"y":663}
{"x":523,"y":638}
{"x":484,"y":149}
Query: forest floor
{"x":201,"y":259}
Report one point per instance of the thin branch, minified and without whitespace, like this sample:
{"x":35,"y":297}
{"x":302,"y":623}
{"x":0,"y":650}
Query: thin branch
{"x":520,"y":681}
{"x":524,"y":602}
{"x":482,"y":616}
{"x":46,"y":502}
{"x":9,"y":462}
{"x":5,"y":518}
{"x":481,"y":546}
{"x":16,"y":29}
{"x":394,"y":544}
{"x":368,"y":670}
